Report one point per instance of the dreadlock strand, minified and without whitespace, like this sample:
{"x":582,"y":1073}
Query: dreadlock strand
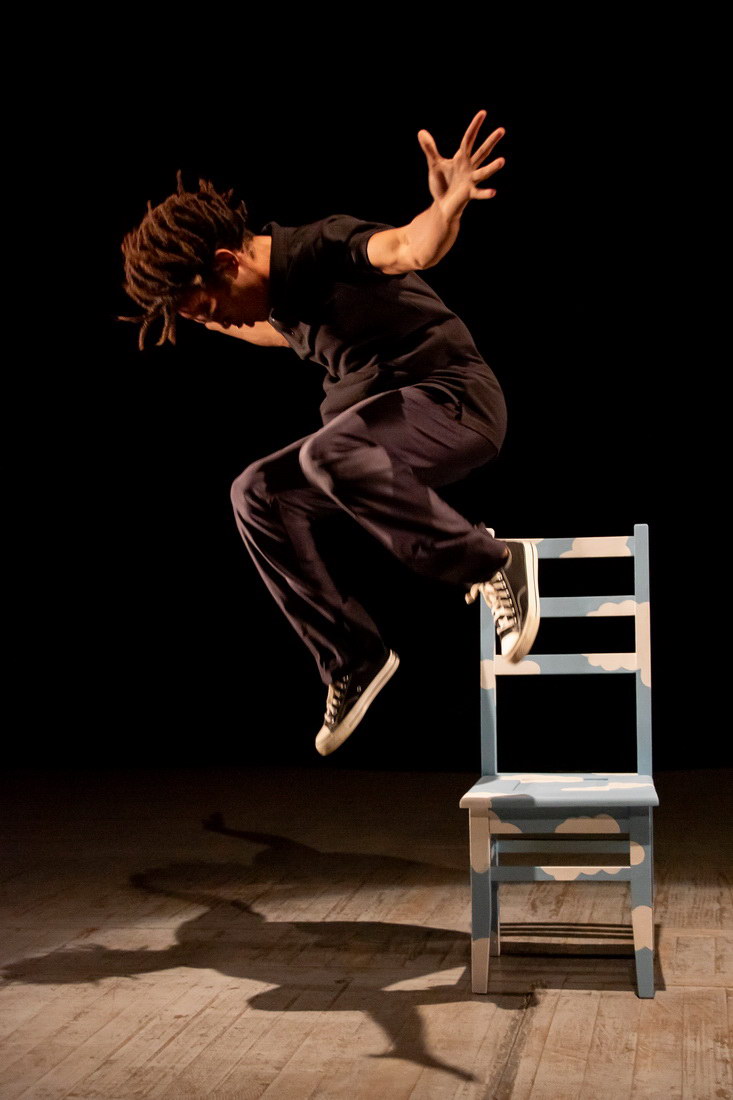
{"x":143,"y":284}
{"x":164,"y":333}
{"x":186,"y":233}
{"x":144,"y":330}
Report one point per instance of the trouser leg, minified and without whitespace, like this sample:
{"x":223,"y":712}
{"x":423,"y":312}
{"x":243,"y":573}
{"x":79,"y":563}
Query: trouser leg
{"x":275,"y":508}
{"x":379,"y":461}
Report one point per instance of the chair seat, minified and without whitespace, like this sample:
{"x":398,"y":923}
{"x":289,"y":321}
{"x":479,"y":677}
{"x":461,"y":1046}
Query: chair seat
{"x":527,"y":789}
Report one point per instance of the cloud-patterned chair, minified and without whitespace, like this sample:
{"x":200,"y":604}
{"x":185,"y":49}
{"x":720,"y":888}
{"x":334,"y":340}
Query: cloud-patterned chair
{"x":564,"y":808}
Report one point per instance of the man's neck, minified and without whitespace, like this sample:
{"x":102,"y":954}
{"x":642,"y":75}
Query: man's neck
{"x":262,"y":245}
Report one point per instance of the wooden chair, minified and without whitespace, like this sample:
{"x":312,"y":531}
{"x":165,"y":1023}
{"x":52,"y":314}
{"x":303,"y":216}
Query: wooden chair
{"x":563,"y":807}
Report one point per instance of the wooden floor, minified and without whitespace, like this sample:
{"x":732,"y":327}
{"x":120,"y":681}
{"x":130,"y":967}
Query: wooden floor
{"x":305,"y":933}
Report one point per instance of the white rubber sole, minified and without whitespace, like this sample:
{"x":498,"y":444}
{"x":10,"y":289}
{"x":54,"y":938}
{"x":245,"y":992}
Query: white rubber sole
{"x":327,"y":740}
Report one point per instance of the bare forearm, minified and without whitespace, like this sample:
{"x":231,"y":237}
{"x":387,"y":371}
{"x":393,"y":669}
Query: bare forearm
{"x":261,"y":333}
{"x":431,"y":234}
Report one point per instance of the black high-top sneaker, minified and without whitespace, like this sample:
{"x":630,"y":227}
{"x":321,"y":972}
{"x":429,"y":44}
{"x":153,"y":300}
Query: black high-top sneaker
{"x":349,"y":698}
{"x":513,"y":596}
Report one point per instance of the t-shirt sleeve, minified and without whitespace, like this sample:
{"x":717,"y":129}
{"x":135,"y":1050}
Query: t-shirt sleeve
{"x":337,"y":246}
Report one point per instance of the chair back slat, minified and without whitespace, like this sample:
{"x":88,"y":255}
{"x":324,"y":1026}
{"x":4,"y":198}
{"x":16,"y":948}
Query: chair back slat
{"x":596,"y":546}
{"x":570,"y":607}
{"x":566,"y":664}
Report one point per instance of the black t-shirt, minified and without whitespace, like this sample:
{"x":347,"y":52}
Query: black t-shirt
{"x":373,"y":332}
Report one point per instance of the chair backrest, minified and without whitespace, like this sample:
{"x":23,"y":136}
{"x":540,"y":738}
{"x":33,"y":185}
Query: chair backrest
{"x":638,"y":662}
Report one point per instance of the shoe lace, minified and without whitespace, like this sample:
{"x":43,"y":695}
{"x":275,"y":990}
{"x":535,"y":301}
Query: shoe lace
{"x":497,"y":595}
{"x":336,"y":693}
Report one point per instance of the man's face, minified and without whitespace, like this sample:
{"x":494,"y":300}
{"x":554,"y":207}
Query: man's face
{"x":238,"y":294}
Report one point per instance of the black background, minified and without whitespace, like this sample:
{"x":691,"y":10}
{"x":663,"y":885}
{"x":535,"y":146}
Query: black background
{"x":146,"y":636}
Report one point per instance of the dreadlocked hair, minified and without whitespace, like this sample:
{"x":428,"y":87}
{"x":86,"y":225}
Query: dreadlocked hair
{"x":173,"y":250}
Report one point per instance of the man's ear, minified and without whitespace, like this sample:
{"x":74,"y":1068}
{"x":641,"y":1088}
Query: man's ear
{"x":226,"y":263}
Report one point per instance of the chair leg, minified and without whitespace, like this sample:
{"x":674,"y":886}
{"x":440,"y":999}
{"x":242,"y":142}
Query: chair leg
{"x":495,"y":923}
{"x":651,"y":849}
{"x":481,"y":909}
{"x":642,"y":902}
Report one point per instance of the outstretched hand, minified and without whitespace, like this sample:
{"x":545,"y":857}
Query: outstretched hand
{"x":452,"y":182}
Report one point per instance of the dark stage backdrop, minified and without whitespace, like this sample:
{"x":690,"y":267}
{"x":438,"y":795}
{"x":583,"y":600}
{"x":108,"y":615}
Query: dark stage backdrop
{"x":150,"y":635}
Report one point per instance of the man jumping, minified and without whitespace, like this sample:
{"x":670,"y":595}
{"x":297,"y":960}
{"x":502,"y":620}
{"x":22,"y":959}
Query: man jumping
{"x":410,"y":405}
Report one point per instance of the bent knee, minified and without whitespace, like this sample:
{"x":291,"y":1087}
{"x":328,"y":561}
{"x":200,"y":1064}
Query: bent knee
{"x":248,"y":486}
{"x":311,"y":460}
{"x":327,"y":461}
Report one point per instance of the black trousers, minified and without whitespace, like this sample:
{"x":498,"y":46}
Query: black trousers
{"x":380,"y":461}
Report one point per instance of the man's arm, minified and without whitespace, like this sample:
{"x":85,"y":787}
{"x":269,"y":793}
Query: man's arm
{"x":452,"y":184}
{"x":415,"y":246}
{"x":261,"y":333}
